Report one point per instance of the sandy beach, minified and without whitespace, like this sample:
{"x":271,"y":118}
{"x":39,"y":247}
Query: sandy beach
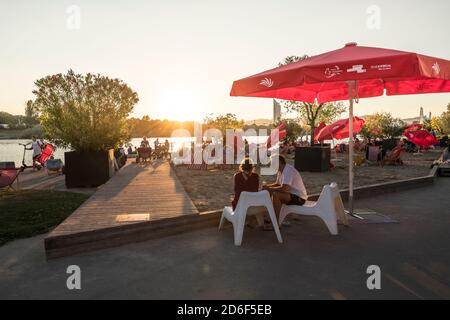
{"x":212,"y":189}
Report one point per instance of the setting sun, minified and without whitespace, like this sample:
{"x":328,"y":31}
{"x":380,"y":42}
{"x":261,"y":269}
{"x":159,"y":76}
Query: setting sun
{"x":180,"y":105}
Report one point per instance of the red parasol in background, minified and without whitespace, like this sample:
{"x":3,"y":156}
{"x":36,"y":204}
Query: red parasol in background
{"x":318,"y":129}
{"x":272,"y":137}
{"x":351,"y":73}
{"x":414,"y":127}
{"x":340,"y":129}
{"x":421,"y":138}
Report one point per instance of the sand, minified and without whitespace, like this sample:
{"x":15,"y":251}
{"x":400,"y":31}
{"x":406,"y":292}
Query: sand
{"x":212,"y":189}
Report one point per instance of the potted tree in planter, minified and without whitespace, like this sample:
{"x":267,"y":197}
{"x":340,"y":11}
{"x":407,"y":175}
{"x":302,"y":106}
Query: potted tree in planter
{"x":87,"y":115}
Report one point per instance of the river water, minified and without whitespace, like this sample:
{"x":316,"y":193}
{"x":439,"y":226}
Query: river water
{"x":10,"y":150}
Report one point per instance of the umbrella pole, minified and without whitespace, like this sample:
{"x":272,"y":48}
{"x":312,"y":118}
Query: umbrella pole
{"x":350,"y":144}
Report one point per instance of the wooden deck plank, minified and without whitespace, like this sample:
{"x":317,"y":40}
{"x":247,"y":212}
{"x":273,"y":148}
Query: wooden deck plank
{"x":151,"y":189}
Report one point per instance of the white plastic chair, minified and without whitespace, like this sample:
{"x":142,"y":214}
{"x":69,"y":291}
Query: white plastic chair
{"x":329,"y":208}
{"x":237,"y":217}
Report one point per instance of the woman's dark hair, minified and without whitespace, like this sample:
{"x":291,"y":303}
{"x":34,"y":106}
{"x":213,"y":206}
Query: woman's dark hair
{"x":246,"y":165}
{"x":282,"y":159}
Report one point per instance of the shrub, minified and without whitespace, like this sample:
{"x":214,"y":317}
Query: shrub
{"x":84,"y":112}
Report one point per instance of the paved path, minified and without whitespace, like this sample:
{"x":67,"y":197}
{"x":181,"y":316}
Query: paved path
{"x":414,"y":257}
{"x":137,"y":193}
{"x":40,"y":180}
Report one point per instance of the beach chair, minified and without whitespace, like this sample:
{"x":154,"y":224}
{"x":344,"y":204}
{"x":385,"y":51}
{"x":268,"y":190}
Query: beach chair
{"x":328,"y":207}
{"x":238,"y":216}
{"x":8,"y":177}
{"x":394,"y":157}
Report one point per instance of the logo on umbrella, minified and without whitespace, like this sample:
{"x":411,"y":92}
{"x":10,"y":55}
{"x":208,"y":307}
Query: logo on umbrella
{"x":267,"y":83}
{"x":436,"y":69}
{"x":357,"y":68}
{"x":332,"y":72}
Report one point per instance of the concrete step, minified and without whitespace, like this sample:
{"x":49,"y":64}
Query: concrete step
{"x":57,"y":246}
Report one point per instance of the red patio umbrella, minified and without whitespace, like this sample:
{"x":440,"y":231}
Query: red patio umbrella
{"x":414,"y":127}
{"x":421,"y":138}
{"x":351,"y":73}
{"x":282,"y":134}
{"x":318,"y":129}
{"x":340,"y":129}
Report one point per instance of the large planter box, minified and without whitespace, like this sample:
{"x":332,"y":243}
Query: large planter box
{"x":313,"y":159}
{"x":88,"y":169}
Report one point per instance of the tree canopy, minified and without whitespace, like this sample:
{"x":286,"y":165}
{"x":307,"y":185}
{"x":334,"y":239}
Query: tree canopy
{"x":84,"y":112}
{"x":441,"y":124}
{"x":382,"y":125}
{"x":222,"y":122}
{"x":311,"y":113}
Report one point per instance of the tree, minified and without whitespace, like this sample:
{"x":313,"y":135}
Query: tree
{"x":436,"y":125}
{"x":443,"y":122}
{"x":382,"y":125}
{"x":312,"y":113}
{"x":222,"y":122}
{"x":31,"y":114}
{"x":30,"y":110}
{"x":84,"y":112}
{"x":293,"y":128}
{"x":7,"y":118}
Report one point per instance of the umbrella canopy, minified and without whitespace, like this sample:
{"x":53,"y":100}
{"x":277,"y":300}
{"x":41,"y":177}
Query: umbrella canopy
{"x":272,"y":137}
{"x":324,"y":77}
{"x":340,"y":129}
{"x":351,"y":73}
{"x":318,"y":129}
{"x":414,"y":127}
{"x":421,"y":138}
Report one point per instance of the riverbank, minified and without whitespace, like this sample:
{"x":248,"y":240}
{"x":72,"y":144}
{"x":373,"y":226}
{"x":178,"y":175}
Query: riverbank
{"x":10,"y":134}
{"x":6,"y":134}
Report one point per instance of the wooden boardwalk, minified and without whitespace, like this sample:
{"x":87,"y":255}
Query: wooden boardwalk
{"x":140,"y":202}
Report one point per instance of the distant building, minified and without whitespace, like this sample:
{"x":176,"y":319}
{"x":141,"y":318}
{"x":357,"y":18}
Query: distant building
{"x":4,"y":126}
{"x":409,"y":121}
{"x":420,"y":119}
{"x":276,"y":111}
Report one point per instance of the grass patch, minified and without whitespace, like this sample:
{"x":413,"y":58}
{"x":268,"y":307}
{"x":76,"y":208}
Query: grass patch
{"x":28,"y":213}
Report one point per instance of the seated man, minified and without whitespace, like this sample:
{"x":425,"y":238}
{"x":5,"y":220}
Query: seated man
{"x":288,"y":188}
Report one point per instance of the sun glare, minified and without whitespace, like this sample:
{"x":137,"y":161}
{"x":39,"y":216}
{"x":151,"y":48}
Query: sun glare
{"x":181,"y":105}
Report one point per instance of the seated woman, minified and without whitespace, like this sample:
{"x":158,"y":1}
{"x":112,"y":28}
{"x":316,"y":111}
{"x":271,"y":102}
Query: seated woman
{"x":245,"y":180}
